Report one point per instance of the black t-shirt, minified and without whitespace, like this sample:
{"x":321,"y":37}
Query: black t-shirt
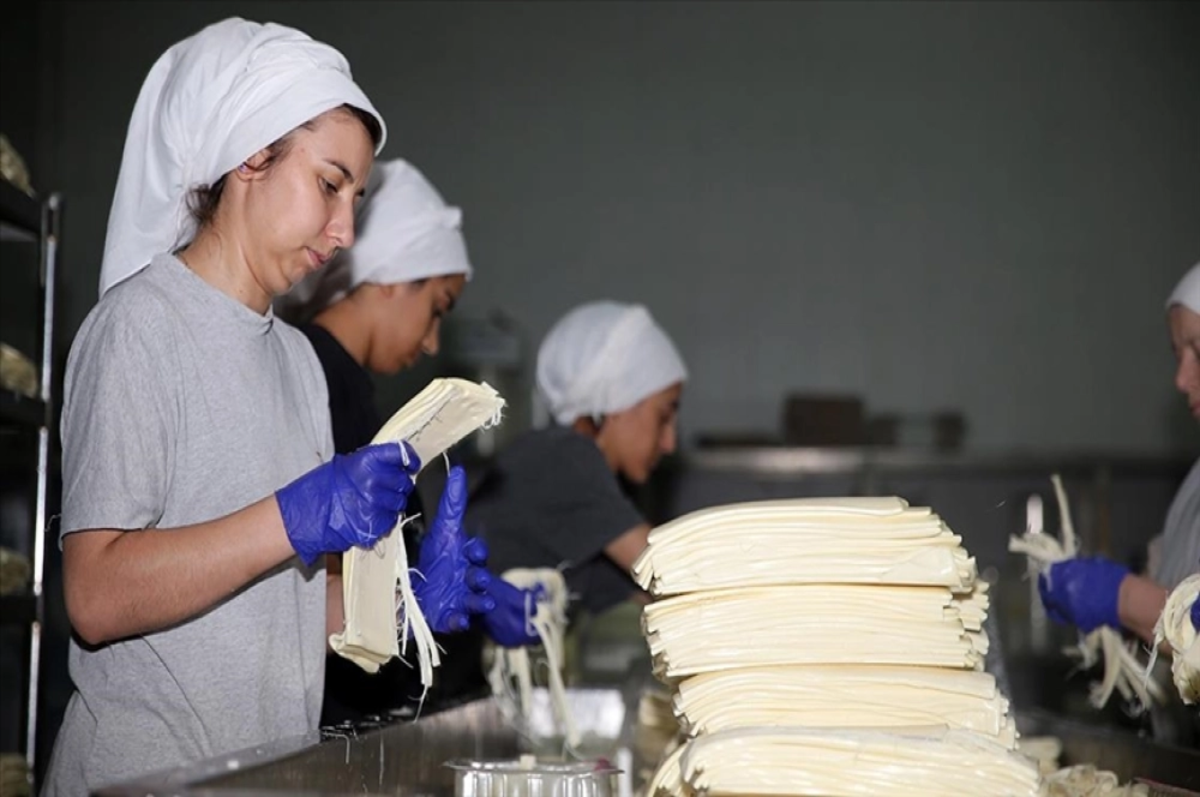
{"x":550,"y":500}
{"x":352,"y":694}
{"x":351,"y":392}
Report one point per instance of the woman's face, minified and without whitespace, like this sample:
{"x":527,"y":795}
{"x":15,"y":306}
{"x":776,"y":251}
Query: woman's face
{"x":1185,"y":341}
{"x":299,"y":212}
{"x":408,"y":320}
{"x":637,"y":438}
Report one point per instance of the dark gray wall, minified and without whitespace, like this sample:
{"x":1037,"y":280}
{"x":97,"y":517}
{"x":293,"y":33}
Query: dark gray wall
{"x":947,"y":204}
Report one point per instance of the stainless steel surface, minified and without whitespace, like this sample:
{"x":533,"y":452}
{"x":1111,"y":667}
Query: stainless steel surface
{"x":404,"y":759}
{"x":788,"y":461}
{"x":409,"y":758}
{"x":1120,"y":752}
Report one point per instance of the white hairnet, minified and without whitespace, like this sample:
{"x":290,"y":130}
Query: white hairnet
{"x":405,"y":232}
{"x":604,"y":357}
{"x":1187,"y":292}
{"x":210,"y":102}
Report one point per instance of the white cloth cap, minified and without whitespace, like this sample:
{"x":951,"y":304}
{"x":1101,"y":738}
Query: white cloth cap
{"x":405,"y":232}
{"x":210,"y":102}
{"x":1187,"y":292}
{"x":604,"y":357}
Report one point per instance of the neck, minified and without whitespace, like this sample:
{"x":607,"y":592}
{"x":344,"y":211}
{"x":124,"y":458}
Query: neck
{"x":587,"y":427}
{"x":343,"y":320}
{"x":224,"y":265}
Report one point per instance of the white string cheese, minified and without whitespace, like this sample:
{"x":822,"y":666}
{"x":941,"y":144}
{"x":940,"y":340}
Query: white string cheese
{"x":1122,"y":670}
{"x":845,"y":696}
{"x":380,"y":608}
{"x":549,"y":620}
{"x":826,"y":647}
{"x":815,"y":624}
{"x":1175,"y":627}
{"x":925,"y":762}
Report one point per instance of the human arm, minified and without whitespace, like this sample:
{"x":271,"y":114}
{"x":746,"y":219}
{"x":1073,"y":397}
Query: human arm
{"x":1090,"y":592}
{"x":1140,"y":603}
{"x":119,"y":583}
{"x":122,"y":583}
{"x":624,"y":551}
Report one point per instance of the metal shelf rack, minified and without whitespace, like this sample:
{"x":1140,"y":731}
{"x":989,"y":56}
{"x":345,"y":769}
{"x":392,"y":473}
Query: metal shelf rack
{"x":26,"y":220}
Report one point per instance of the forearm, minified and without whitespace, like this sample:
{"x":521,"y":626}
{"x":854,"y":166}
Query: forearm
{"x":1140,"y":602}
{"x":122,"y":583}
{"x":335,"y":607}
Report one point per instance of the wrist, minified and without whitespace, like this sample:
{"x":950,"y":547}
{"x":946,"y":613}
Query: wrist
{"x":1140,"y":601}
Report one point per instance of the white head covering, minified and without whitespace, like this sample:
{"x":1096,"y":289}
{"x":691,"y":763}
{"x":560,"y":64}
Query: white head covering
{"x":604,"y":357}
{"x":1187,"y":292}
{"x":208,"y":103}
{"x":405,"y":232}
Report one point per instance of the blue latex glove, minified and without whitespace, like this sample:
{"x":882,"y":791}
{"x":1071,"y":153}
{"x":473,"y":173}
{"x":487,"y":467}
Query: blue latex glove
{"x":354,"y":499}
{"x":506,"y":624}
{"x":1196,"y":615}
{"x":452,"y":582}
{"x":1083,"y":592}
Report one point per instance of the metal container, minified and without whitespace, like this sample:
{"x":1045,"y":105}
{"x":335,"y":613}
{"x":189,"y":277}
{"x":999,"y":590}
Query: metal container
{"x":526,"y":777}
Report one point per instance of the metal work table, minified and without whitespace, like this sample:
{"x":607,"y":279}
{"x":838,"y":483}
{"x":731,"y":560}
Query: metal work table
{"x":403,"y":759}
{"x":407,"y":758}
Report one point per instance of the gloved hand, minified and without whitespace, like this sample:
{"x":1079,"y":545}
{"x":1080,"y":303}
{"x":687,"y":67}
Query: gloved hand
{"x":451,"y":582}
{"x":354,"y":499}
{"x":1196,"y":615}
{"x":507,"y":624}
{"x":1083,"y":592}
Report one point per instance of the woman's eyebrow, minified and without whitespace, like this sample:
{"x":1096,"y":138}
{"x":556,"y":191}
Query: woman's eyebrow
{"x":341,"y":167}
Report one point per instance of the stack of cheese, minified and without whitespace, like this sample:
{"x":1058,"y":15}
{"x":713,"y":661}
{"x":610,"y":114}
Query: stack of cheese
{"x":826,"y":647}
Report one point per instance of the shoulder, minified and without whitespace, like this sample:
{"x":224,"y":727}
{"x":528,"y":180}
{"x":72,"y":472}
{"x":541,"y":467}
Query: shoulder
{"x":296,"y":343}
{"x":561,"y":438}
{"x":556,"y":447}
{"x":316,"y":337}
{"x":310,"y":375}
{"x":300,"y":352}
{"x":133,"y":318}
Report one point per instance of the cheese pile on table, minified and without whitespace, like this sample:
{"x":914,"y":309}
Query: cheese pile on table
{"x":826,"y":647}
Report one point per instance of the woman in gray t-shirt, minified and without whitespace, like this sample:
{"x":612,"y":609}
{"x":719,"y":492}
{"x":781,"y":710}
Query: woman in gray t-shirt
{"x":199,"y":494}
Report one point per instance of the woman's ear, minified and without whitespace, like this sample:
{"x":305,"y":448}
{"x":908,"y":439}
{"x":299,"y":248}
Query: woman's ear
{"x":589,"y":426}
{"x":252,"y":167}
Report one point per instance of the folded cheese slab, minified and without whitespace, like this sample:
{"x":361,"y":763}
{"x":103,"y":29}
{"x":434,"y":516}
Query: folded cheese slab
{"x":442,"y":414}
{"x":804,"y":541}
{"x":845,"y":696}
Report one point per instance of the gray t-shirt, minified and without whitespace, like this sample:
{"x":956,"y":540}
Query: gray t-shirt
{"x":551,"y":500}
{"x":182,"y":405}
{"x":1181,"y":534}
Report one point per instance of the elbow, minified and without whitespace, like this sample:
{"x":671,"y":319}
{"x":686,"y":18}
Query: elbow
{"x":88,"y":607}
{"x":86,"y":621}
{"x":90,"y":590}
